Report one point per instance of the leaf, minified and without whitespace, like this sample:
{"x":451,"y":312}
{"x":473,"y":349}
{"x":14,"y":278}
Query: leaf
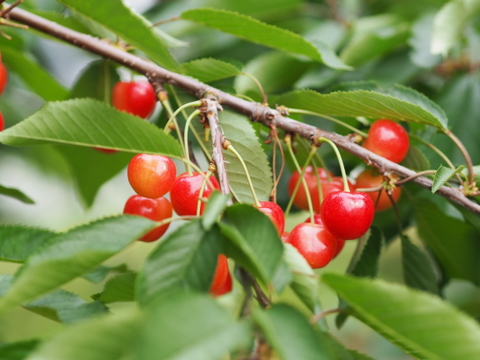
{"x":416,"y":159}
{"x":16,"y":194}
{"x":186,"y":259}
{"x":88,"y":122}
{"x":99,"y":274}
{"x":131,"y":27}
{"x":453,"y":242}
{"x":415,"y":321}
{"x":216,"y":204}
{"x":264,"y":8}
{"x":449,"y":23}
{"x":442,"y":175}
{"x":393,"y":105}
{"x":420,"y":40}
{"x":103,"y":338}
{"x":418,"y":269}
{"x":253,"y":30}
{"x":119,"y":288}
{"x":34,"y":76}
{"x":209,"y":69}
{"x":17,"y":350}
{"x":72,"y":254}
{"x":18,"y":242}
{"x":190,"y":326}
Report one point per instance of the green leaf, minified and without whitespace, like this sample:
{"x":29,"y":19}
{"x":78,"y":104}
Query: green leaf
{"x":253,"y":30}
{"x":449,"y":23}
{"x":99,"y":274}
{"x":130,"y":26}
{"x":72,"y":254}
{"x":209,"y":69}
{"x":216,"y":204}
{"x":258,"y":9}
{"x":442,"y":175}
{"x":119,"y":288}
{"x":417,"y":322}
{"x":103,"y":338}
{"x":16,"y":194}
{"x":416,"y":159}
{"x":190,"y":326}
{"x":88,"y":122}
{"x":34,"y":76}
{"x":418,"y":270}
{"x":420,"y":40}
{"x":186,"y":259}
{"x":397,"y":103}
{"x":18,"y":242}
{"x":18,"y":350}
{"x":459,"y":258}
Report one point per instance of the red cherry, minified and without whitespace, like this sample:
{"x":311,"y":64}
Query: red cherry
{"x":314,"y":242}
{"x":135,"y":97}
{"x":370,"y":178}
{"x":220,"y":276}
{"x":328,"y":187}
{"x":300,"y":199}
{"x":317,"y":219}
{"x":388,"y":139}
{"x":151,"y":176}
{"x":227,"y":287}
{"x":285,"y":236}
{"x":185,"y":192}
{"x":153,"y":209}
{"x":347,"y":215}
{"x":2,"y":122}
{"x":3,"y":77}
{"x":275,"y":213}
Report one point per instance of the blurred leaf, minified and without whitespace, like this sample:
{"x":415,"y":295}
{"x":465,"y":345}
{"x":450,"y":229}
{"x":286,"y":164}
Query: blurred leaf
{"x":417,"y":267}
{"x":416,"y":159}
{"x":420,"y":40}
{"x":72,"y":254}
{"x":17,"y":350}
{"x":60,"y":19}
{"x":209,"y":69}
{"x":34,"y":76}
{"x":190,"y":326}
{"x":417,"y":322}
{"x":449,"y":23}
{"x":459,"y":258}
{"x":258,"y":9}
{"x":130,"y":26}
{"x":250,"y":29}
{"x":216,"y":204}
{"x":101,"y":272}
{"x":118,"y":288}
{"x":442,"y":175}
{"x":18,"y":242}
{"x":88,"y":122}
{"x":186,"y":259}
{"x":16,"y":194}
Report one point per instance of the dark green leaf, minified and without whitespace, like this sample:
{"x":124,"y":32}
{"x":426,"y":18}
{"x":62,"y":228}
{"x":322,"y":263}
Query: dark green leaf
{"x":209,"y":69}
{"x":18,"y":350}
{"x":415,"y":159}
{"x":417,"y":322}
{"x":186,"y":259}
{"x":418,"y":270}
{"x":17,"y":242}
{"x":101,"y":272}
{"x":442,"y":175}
{"x":217,"y":203}
{"x":88,"y":122}
{"x":119,"y":288}
{"x":16,"y":194}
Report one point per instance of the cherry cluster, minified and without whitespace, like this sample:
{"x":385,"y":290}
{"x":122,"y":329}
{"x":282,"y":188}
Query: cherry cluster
{"x":3,"y":84}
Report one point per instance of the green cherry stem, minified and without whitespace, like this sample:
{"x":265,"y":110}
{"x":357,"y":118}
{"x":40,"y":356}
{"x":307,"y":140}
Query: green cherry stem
{"x":320,"y":160}
{"x":173,"y":116}
{"x":466,"y":155}
{"x":319,"y":183}
{"x":259,"y":85}
{"x":306,"y":112}
{"x":202,"y":190}
{"x":185,"y":138}
{"x":172,"y":219}
{"x":230,"y":148}
{"x":340,"y":161}
{"x":168,"y":108}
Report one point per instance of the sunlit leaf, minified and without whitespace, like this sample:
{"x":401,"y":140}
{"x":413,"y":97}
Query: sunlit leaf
{"x":119,"y":288}
{"x":18,"y":242}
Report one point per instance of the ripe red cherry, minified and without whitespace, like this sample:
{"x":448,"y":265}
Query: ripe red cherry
{"x":135,"y":97}
{"x":370,"y":178}
{"x":314,"y":242}
{"x":227,"y":287}
{"x":3,"y":77}
{"x":328,"y":187}
{"x":220,"y":275}
{"x":388,"y":139}
{"x":317,"y":219}
{"x":347,"y":215}
{"x":153,"y":209}
{"x":2,"y":122}
{"x":275,"y":213}
{"x":300,"y":199}
{"x":151,"y":176}
{"x":185,"y":192}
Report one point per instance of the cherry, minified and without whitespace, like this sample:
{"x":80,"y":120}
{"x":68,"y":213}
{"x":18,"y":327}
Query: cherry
{"x":275,"y":213}
{"x":227,"y":287}
{"x":2,"y":122}
{"x":314,"y":242}
{"x":153,"y":209}
{"x":3,"y":77}
{"x":220,"y":276}
{"x":317,"y":219}
{"x":300,"y":199}
{"x":151,"y":176}
{"x":135,"y":97}
{"x":328,"y":187}
{"x":371,"y":178}
{"x":347,"y":215}
{"x":185,"y":192}
{"x":285,"y":236}
{"x":388,"y":139}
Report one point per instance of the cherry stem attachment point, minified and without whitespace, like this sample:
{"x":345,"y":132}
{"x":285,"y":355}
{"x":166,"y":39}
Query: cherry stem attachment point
{"x":346,"y":188}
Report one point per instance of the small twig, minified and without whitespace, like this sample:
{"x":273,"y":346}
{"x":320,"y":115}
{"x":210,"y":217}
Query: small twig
{"x":466,"y":155}
{"x":415,"y":176}
{"x":317,"y":317}
{"x":10,"y":8}
{"x":161,"y":22}
{"x":260,"y":295}
{"x":260,"y":87}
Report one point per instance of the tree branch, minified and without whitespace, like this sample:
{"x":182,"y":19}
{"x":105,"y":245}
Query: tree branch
{"x":255,"y":111}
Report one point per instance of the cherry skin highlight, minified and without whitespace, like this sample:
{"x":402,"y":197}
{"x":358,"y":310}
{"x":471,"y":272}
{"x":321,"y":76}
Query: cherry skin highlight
{"x":388,"y":139}
{"x":151,"y":176}
{"x":275,"y":213}
{"x":220,"y":276}
{"x":370,"y":178}
{"x":185,"y":192}
{"x":135,"y":97}
{"x":300,"y":199}
{"x":314,"y":242}
{"x":153,"y":209}
{"x":347,"y":215}
{"x":3,"y":77}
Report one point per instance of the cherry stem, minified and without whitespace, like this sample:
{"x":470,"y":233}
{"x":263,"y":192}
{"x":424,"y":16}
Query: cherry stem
{"x":10,"y":8}
{"x":319,"y":183}
{"x":168,"y":109}
{"x":260,"y":87}
{"x":202,"y":190}
{"x":185,"y":139}
{"x":346,"y":188}
{"x":307,"y":146}
{"x":409,"y":178}
{"x":181,"y":108}
{"x":317,"y":317}
{"x":282,"y":168}
{"x":172,"y":219}
{"x":247,"y":174}
{"x":306,"y":112}
{"x":465,"y":154}
{"x":165,"y":21}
